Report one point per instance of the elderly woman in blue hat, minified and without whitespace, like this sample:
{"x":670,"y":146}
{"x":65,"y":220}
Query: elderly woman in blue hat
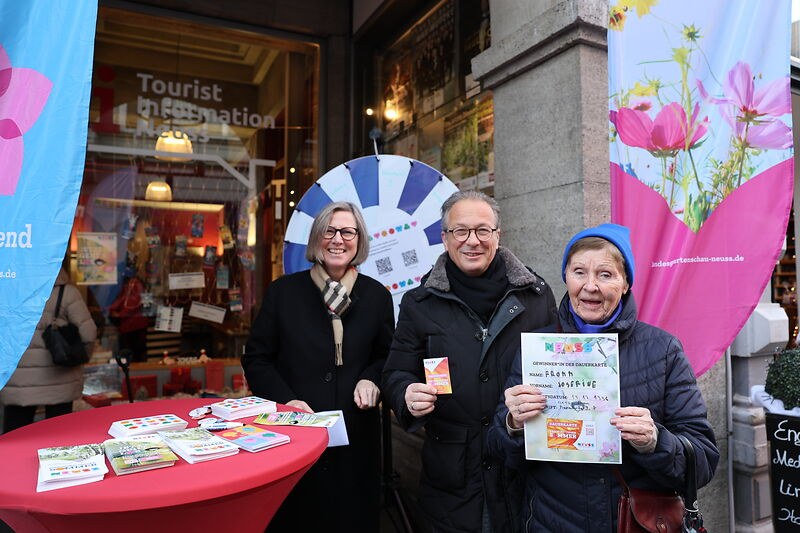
{"x":659,"y":397}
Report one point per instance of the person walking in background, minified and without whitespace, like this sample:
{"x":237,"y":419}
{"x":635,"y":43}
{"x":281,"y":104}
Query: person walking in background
{"x":659,"y":397}
{"x":37,"y":381}
{"x":471,"y":308}
{"x":319,"y":343}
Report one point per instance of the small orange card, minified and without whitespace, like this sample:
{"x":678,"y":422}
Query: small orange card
{"x":437,"y":373}
{"x":563,"y":433}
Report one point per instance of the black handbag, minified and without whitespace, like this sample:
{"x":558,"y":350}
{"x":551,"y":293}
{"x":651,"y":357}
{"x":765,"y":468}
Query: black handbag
{"x":64,"y":343}
{"x":692,"y":519}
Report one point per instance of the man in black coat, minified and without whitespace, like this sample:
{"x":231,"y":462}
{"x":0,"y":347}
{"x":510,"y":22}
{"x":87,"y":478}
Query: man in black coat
{"x":471,"y":308}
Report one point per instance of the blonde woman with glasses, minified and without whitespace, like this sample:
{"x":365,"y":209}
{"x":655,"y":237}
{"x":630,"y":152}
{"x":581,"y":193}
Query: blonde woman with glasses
{"x":319,"y":343}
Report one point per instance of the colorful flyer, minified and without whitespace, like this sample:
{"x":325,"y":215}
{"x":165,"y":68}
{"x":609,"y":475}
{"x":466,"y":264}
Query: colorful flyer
{"x":223,"y":277}
{"x":210,"y":256}
{"x":437,"y":373}
{"x":180,"y":245}
{"x":579,"y":376}
{"x":226,"y":236}
{"x":235,"y":300}
{"x":198,"y":225}
{"x":97,"y":258}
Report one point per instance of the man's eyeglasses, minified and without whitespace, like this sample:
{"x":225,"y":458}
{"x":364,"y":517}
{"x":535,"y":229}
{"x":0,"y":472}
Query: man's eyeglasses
{"x":347,"y":234}
{"x":462,"y":234}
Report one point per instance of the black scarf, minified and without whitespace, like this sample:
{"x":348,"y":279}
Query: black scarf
{"x":480,"y":293}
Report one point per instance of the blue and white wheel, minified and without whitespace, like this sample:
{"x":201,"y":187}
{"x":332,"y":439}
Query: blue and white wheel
{"x":400,"y":199}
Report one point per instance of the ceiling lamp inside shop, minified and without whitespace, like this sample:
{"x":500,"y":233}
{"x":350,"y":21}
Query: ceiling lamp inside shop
{"x":173,"y":142}
{"x":159,"y":191}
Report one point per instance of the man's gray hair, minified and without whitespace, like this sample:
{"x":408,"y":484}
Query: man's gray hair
{"x":321,"y":223}
{"x":469,"y":195}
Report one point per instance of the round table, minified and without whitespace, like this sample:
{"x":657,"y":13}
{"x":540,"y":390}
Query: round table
{"x":237,"y":493}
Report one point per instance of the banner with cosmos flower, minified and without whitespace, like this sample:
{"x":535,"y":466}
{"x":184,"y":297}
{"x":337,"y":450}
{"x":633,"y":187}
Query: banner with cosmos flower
{"x":46,"y":49}
{"x":701,"y":158}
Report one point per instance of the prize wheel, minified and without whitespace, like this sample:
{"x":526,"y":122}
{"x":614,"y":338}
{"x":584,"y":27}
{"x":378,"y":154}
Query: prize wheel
{"x":401,"y":201}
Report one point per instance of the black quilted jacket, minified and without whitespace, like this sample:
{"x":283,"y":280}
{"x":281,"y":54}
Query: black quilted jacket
{"x":654,"y":373}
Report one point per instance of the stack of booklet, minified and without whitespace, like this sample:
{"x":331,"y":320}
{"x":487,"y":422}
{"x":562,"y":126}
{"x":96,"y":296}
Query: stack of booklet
{"x":196,"y":444}
{"x":138,"y":453}
{"x":146,"y":425}
{"x":254,"y":439}
{"x":65,"y":466}
{"x":235,"y":408}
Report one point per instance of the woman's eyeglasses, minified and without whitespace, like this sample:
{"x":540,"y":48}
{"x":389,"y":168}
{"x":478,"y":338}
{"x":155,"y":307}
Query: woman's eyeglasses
{"x":347,"y":234}
{"x":462,"y":234}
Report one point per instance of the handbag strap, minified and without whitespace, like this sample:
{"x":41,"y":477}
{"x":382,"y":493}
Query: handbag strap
{"x":58,"y":302}
{"x":618,"y":473}
{"x":690,"y":493}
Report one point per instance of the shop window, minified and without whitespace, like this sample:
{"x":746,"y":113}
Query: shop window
{"x":784,"y":282}
{"x":430,"y":107}
{"x":193,"y":130}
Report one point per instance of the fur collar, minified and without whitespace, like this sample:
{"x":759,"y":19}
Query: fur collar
{"x":518,"y":274}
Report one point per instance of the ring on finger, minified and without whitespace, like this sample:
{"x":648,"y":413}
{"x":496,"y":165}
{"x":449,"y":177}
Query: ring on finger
{"x":411,"y":405}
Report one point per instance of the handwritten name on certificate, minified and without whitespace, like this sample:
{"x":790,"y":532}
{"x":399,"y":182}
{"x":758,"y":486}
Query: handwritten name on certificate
{"x":579,"y":376}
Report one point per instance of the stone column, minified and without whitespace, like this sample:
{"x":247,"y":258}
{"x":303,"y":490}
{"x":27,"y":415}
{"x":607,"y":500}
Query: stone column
{"x":547,"y":69}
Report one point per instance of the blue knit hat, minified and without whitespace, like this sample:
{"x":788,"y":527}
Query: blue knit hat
{"x":619,"y":236}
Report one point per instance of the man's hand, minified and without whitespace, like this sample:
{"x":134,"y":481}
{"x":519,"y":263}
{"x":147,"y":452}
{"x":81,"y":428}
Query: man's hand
{"x":420,"y":398}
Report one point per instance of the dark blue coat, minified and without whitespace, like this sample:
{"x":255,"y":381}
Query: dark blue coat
{"x":654,"y":373}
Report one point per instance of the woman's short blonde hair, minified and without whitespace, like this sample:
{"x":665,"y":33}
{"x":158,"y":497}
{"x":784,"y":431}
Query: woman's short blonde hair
{"x":321,"y":223}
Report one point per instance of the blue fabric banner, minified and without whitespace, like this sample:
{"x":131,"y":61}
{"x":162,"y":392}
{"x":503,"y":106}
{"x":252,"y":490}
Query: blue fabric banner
{"x":46,"y":49}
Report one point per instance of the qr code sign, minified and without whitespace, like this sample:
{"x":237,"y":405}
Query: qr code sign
{"x":384,"y":265}
{"x":410,"y":258}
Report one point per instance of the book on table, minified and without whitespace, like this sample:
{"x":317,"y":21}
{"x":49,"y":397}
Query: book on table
{"x":235,"y":408}
{"x":138,"y":453}
{"x":253,"y":439}
{"x":65,"y":466}
{"x":196,"y":444}
{"x":146,"y":425}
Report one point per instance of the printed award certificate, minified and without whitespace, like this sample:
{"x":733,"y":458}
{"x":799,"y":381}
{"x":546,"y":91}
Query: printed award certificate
{"x":579,"y":376}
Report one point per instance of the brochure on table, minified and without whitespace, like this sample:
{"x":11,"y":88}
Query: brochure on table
{"x":65,"y":466}
{"x":579,"y":376}
{"x":138,"y":453}
{"x":253,"y":439}
{"x":333,"y":420}
{"x":196,"y":444}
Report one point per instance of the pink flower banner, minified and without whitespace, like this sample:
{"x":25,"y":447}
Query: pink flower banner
{"x":701,"y":158}
{"x":46,"y":49}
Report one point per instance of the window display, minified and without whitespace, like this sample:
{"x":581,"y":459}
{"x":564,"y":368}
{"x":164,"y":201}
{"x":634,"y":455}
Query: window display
{"x":191,"y":131}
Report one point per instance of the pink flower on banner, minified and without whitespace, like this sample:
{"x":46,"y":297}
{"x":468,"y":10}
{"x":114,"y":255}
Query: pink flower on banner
{"x":664,"y":136}
{"x":23,"y":93}
{"x":752,"y":114}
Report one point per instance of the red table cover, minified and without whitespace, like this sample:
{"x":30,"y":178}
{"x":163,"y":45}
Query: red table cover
{"x":241,"y":492}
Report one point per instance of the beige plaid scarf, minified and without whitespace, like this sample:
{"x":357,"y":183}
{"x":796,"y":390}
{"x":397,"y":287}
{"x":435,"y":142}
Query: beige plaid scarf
{"x":336,"y":296}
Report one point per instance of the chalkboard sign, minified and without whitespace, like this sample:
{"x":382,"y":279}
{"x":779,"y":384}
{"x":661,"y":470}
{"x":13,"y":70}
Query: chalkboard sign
{"x":783,"y":433}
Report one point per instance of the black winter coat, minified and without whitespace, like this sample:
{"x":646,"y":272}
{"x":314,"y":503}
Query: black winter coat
{"x":290,"y":355}
{"x":458,"y":474}
{"x":654,"y":373}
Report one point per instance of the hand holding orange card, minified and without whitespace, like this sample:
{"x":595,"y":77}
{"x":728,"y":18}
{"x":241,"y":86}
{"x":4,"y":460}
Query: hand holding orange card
{"x":437,"y":373}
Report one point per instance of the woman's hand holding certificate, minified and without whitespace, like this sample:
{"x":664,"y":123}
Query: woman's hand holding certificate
{"x":524,"y":402}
